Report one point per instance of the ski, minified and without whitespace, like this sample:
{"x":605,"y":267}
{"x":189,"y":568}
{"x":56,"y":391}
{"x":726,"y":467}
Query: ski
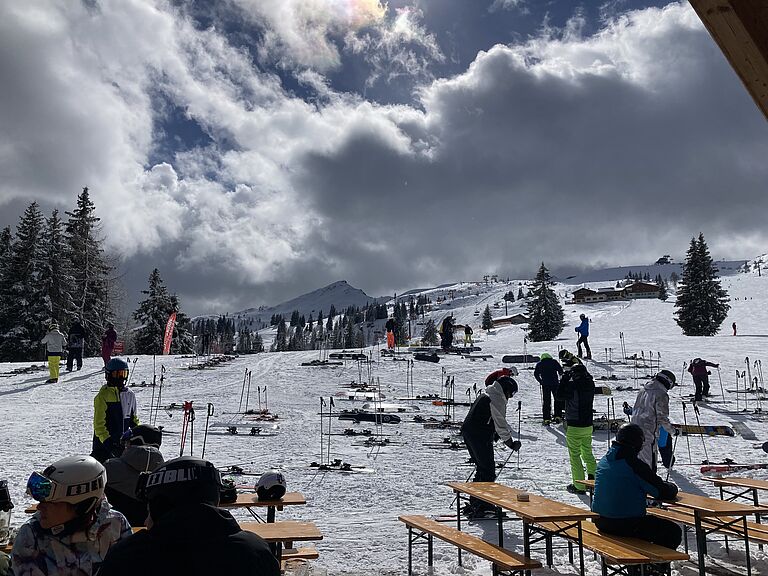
{"x":732,"y":467}
{"x":694,"y":430}
{"x":519,"y":358}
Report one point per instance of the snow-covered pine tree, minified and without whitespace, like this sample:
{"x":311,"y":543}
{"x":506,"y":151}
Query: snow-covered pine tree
{"x":662,"y":284}
{"x":183,"y":341}
{"x":544,"y":310}
{"x":429,"y":337}
{"x":702,"y":304}
{"x":56,"y":274}
{"x":90,"y":290}
{"x":152,"y":316}
{"x":520,"y":294}
{"x":23,"y":312}
{"x":487,"y":320}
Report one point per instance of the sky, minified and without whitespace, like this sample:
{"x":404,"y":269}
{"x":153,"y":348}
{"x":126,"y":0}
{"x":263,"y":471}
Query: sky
{"x":254,"y":150}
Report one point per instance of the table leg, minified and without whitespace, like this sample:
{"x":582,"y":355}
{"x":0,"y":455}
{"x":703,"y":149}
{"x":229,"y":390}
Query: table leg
{"x":270,"y":514}
{"x":429,"y":550}
{"x":701,"y":539}
{"x":458,"y":519}
{"x":746,"y":547}
{"x":410,"y":551}
{"x":527,"y":542}
{"x":756,"y":502}
{"x":581,"y":551}
{"x":500,"y":515}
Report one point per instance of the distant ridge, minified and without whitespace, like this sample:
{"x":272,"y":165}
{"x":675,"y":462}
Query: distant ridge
{"x":726,"y":267}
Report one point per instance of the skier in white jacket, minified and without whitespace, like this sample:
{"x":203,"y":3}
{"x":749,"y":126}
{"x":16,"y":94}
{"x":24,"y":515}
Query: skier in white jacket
{"x":651,"y":413}
{"x":55,"y":344}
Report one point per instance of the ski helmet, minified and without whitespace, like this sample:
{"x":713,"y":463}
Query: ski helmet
{"x":667,"y":378}
{"x":545,"y":356}
{"x":508,"y":385}
{"x":179,"y":482}
{"x":116,"y":371}
{"x":271,"y":486}
{"x":77,"y":480}
{"x":143,"y":435}
{"x":631,"y":436}
{"x":511,"y":371}
{"x":582,"y":316}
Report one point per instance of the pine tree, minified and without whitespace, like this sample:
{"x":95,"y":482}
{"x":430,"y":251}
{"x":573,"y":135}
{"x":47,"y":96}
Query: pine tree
{"x":429,"y":337}
{"x":662,"y":284}
{"x":23,"y":311}
{"x":487,"y":320}
{"x":702,"y":304}
{"x":545,"y":312}
{"x":57,"y":277}
{"x":91,"y":288}
{"x":520,"y":294}
{"x":152,"y":316}
{"x":280,"y":342}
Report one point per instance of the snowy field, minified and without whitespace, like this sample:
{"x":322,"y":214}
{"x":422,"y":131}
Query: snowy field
{"x":357,"y":513}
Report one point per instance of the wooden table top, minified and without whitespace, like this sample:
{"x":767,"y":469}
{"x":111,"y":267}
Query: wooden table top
{"x":705,"y":505}
{"x":738,"y":482}
{"x":250,"y":499}
{"x":537,"y":509}
{"x":286,"y":531}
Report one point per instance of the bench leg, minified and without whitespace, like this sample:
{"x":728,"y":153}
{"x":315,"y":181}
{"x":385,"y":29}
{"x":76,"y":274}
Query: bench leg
{"x":746,"y":547}
{"x":429,"y":550}
{"x":701,"y":543}
{"x":581,"y":551}
{"x":756,"y":502}
{"x":548,"y":544}
{"x":410,"y":551}
{"x":527,"y":541}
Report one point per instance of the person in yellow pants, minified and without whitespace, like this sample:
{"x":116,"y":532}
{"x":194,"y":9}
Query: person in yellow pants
{"x":577,"y":389}
{"x":55,"y":342}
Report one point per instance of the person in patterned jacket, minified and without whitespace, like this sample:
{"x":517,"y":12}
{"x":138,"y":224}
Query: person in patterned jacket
{"x":74,"y":525}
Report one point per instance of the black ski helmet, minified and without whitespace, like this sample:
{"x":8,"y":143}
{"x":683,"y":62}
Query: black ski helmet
{"x":144,"y":435}
{"x":667,"y":378}
{"x":582,"y":316}
{"x":180,"y":482}
{"x":271,"y":486}
{"x":116,"y":371}
{"x":631,"y":436}
{"x":508,"y":385}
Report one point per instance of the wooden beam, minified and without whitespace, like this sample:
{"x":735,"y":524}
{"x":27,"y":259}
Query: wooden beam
{"x":740,"y":28}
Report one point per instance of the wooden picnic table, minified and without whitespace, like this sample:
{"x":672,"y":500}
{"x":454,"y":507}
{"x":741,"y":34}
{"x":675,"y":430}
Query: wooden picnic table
{"x":746,"y":488}
{"x":537,"y":510}
{"x":728,"y":514}
{"x":284,"y":533}
{"x":250,"y":500}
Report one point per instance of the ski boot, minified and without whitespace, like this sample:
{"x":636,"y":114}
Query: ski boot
{"x":574,"y":490}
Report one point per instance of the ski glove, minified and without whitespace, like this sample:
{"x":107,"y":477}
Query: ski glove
{"x":111,"y":446}
{"x":513,"y":445}
{"x":627,"y":409}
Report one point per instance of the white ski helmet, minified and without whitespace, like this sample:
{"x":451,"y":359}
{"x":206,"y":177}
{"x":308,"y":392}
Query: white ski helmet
{"x":78,"y":480}
{"x":271,"y":486}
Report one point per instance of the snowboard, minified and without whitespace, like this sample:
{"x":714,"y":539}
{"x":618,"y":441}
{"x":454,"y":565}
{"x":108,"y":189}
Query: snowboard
{"x":693,"y":430}
{"x":347,"y":356}
{"x":322,"y":363}
{"x":519,"y":358}
{"x":449,"y":402}
{"x":357,"y":416}
{"x":423,"y":357}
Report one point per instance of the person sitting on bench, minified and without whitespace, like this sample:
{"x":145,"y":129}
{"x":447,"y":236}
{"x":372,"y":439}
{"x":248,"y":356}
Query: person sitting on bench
{"x":622,"y":482}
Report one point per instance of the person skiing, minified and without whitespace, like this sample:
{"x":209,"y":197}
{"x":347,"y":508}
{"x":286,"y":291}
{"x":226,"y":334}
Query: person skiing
{"x":468,"y":335}
{"x":651,"y":413}
{"x":577,"y":389}
{"x":390,"y":327}
{"x":184,"y":519}
{"x":108,"y":343}
{"x":548,"y":373}
{"x":141,"y":454}
{"x":700,"y":374}
{"x":583,"y":331}
{"x":486,"y":421}
{"x":55,"y":342}
{"x":75,"y":343}
{"x":74,"y":525}
{"x":622,"y":484}
{"x":734,"y":328}
{"x":446,"y":333}
{"x":114,"y":411}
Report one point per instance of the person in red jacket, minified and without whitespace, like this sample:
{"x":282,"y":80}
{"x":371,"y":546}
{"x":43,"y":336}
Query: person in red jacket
{"x":108,"y":343}
{"x":698,"y":369}
{"x":496,"y":374}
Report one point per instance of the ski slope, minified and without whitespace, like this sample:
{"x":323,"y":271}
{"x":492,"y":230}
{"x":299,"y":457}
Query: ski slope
{"x":357,"y":513}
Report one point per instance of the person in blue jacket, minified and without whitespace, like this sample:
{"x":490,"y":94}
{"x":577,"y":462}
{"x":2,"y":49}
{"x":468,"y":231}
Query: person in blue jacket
{"x":583,"y":331}
{"x":622,"y":483}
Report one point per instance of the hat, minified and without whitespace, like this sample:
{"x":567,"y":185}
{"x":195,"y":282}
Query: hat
{"x":144,"y":435}
{"x":179,"y":482}
{"x":545,"y":356}
{"x":508,"y":385}
{"x":631,"y":436}
{"x":667,"y":378}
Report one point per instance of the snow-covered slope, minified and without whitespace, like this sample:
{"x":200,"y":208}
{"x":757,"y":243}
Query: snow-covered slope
{"x":358,"y":513}
{"x":726,"y":267}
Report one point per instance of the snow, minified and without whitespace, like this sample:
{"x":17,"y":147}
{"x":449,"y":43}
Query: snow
{"x":357,"y":513}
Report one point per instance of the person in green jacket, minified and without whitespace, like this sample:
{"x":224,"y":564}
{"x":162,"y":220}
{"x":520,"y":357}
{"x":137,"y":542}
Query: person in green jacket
{"x":114,"y":412}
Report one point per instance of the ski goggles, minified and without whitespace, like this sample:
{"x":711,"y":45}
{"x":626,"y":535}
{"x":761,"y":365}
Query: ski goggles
{"x":119,"y":374}
{"x":40,"y":487}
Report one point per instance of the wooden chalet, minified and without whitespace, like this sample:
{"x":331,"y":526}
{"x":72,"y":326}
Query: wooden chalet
{"x":631,"y":292}
{"x":510,"y":320}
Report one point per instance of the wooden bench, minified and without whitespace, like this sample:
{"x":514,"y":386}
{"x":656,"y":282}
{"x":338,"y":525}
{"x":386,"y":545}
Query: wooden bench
{"x":617,"y":552}
{"x":755,"y":532}
{"x":503,"y":561}
{"x":297,"y":555}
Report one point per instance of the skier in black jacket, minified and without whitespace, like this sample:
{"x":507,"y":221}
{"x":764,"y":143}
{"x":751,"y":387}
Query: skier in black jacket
{"x":187,"y":533}
{"x":485,"y":422}
{"x":547,"y":373}
{"x":75,"y":344}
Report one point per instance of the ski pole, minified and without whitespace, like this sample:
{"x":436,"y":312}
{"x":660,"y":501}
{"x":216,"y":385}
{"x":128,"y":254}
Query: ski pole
{"x":682,"y":373}
{"x":504,"y":464}
{"x":720,"y":378}
{"x":130,"y":376}
{"x":672,"y":461}
{"x":687,"y":440}
{"x":698,"y":423}
{"x":519,"y":421}
{"x":208,"y":415}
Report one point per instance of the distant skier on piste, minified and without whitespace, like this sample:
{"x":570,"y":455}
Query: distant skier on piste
{"x":468,"y":335}
{"x":55,"y":343}
{"x":700,"y":374}
{"x":75,"y":344}
{"x":390,"y":328}
{"x":114,"y":411}
{"x":651,"y":413}
{"x":548,"y":373}
{"x":485,"y":422}
{"x":577,"y":389}
{"x":583,"y":331}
